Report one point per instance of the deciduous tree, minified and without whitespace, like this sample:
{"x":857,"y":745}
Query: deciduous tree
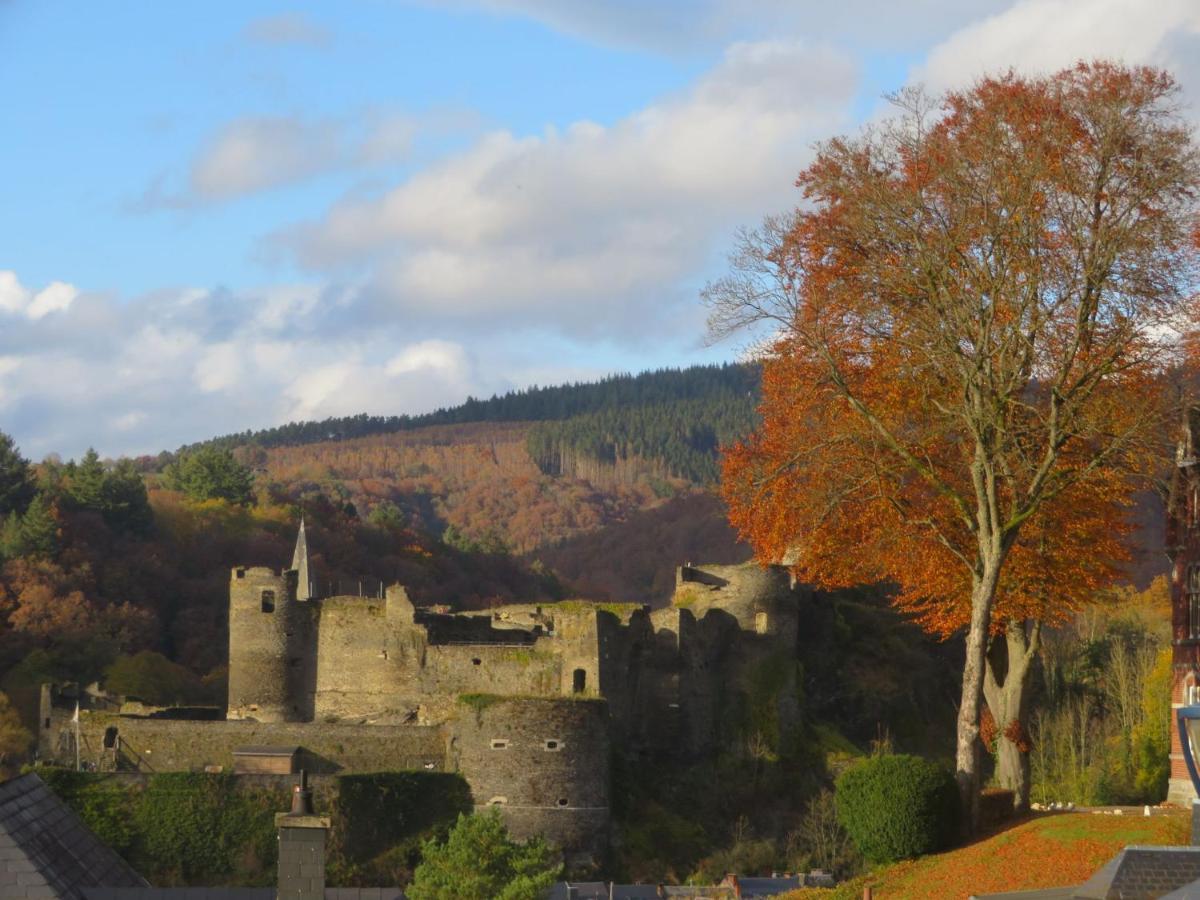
{"x":973,"y":310}
{"x":479,"y":861}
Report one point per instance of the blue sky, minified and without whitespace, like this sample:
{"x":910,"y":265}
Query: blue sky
{"x":227,"y":215}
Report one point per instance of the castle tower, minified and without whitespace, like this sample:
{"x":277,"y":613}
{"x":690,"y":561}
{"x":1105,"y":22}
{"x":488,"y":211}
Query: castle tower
{"x":300,"y":566}
{"x":1183,"y":549}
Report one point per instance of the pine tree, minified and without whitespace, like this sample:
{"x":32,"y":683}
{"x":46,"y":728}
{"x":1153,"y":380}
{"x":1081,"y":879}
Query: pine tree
{"x":211,"y":473}
{"x":123,"y":499}
{"x":87,"y":482}
{"x":33,"y":534}
{"x":16,"y":478}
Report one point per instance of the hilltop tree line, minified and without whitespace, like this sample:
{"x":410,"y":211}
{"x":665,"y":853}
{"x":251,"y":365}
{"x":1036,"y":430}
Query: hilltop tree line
{"x":534,"y":404}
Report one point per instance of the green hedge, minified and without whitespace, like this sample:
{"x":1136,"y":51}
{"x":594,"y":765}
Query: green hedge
{"x":182,"y":828}
{"x":896,"y":807}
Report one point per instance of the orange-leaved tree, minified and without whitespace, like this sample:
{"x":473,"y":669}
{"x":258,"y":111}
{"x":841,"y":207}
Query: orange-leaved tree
{"x":972,"y":313}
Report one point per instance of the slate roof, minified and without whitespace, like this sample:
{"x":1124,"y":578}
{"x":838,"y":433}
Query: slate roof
{"x":1143,"y":873}
{"x":578,"y":890}
{"x":768,"y":887}
{"x":46,"y":852}
{"x":635,"y":892}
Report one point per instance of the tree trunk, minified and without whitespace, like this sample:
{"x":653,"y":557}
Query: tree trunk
{"x":983,"y":591}
{"x":1006,"y":686}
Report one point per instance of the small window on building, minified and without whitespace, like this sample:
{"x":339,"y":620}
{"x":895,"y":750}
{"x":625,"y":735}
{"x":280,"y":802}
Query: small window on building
{"x":110,"y":737}
{"x":553,"y":744}
{"x":268,"y":601}
{"x":562,"y":801}
{"x":241,"y":573}
{"x":579,"y":682}
{"x":498,"y":801}
{"x":760,"y":622}
{"x":476,"y":661}
{"x":498,"y":744}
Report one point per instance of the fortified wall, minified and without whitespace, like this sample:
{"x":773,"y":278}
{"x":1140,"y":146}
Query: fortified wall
{"x":524,"y":701}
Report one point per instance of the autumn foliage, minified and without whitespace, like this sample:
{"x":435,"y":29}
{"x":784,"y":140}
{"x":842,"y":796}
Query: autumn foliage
{"x":974,"y":312}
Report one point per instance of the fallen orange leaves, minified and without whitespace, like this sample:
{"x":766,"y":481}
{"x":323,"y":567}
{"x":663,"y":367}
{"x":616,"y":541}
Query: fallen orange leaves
{"x":1046,"y":851}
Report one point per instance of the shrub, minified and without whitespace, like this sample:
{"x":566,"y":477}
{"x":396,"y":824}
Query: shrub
{"x":895,"y":807}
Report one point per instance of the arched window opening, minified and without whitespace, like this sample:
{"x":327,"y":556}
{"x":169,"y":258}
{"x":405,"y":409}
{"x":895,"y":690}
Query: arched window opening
{"x":579,"y":681}
{"x":268,"y":601}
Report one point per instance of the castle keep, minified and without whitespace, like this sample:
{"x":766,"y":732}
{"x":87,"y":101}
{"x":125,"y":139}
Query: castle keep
{"x":524,"y":701}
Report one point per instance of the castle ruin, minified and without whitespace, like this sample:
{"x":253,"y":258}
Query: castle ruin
{"x":524,"y":701}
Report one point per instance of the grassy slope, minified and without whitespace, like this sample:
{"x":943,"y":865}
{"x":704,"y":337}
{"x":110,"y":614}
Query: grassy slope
{"x":1046,"y":851}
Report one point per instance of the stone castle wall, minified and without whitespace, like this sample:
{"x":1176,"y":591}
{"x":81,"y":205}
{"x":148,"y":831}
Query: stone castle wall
{"x":167,"y":745}
{"x":543,"y":762}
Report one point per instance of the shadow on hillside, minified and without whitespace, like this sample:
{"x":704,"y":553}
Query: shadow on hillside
{"x":634,"y":561}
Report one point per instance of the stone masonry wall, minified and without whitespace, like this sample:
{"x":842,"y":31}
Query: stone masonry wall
{"x":544,"y":763}
{"x":165,"y":745}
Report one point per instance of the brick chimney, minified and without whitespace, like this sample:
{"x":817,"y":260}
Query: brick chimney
{"x":301,"y":847}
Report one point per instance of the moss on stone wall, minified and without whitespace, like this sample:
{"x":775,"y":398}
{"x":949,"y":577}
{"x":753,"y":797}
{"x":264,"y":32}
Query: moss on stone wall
{"x":182,"y":828}
{"x":620,"y":610}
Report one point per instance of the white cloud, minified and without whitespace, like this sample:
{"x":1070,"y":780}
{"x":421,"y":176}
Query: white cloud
{"x":55,"y":297}
{"x":255,"y":154}
{"x":16,"y":299}
{"x":445,"y":357}
{"x":219,"y":368}
{"x":157,"y":371}
{"x":1040,"y":36}
{"x":252,"y":154}
{"x":288,"y":28}
{"x":592,"y":228}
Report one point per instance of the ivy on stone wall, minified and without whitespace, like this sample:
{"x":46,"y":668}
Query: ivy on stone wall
{"x":381,"y":820}
{"x":183,"y":828}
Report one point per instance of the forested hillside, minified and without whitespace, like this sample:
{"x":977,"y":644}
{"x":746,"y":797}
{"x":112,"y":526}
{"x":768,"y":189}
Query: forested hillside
{"x":535,"y":404}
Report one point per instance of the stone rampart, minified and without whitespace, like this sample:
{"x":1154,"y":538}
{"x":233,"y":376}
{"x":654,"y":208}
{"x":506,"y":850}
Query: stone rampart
{"x":544,"y":763}
{"x":165,"y":745}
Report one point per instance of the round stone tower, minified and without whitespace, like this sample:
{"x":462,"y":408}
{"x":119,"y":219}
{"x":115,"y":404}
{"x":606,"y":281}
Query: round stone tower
{"x":265,"y":651}
{"x":544,"y":763}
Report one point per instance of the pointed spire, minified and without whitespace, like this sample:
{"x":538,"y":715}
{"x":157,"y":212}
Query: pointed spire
{"x":300,"y":565}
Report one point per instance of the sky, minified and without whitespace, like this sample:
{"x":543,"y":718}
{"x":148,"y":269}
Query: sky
{"x":226,"y":215}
